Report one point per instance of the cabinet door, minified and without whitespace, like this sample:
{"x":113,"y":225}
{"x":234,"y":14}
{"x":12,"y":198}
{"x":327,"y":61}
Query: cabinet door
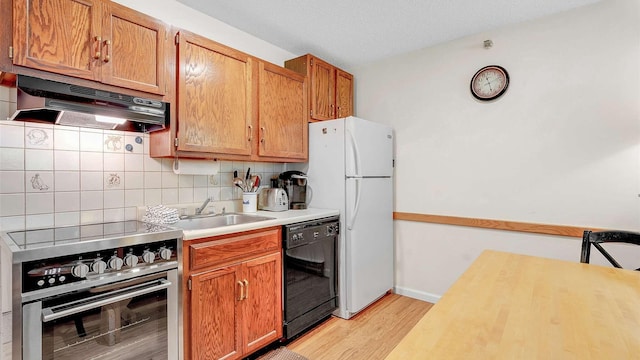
{"x":344,"y":94}
{"x":323,"y":80}
{"x":282,"y":113}
{"x":214,"y":314}
{"x":262,"y":306}
{"x":214,"y":97}
{"x":60,"y":36}
{"x":133,"y":49}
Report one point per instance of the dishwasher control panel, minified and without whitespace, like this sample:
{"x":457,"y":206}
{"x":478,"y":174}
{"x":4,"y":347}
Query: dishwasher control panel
{"x":303,"y":233}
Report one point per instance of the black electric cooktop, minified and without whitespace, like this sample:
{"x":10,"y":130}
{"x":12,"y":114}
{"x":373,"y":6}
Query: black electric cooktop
{"x":40,"y":243}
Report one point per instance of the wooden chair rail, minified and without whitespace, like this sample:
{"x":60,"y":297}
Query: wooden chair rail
{"x":547,"y":229}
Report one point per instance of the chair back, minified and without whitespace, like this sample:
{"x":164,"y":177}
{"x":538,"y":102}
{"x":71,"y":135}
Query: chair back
{"x":596,"y":238}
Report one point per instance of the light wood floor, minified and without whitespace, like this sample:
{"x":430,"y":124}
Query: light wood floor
{"x":370,"y":335}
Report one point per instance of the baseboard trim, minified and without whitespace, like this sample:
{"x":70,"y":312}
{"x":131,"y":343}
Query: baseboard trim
{"x":416,"y":294}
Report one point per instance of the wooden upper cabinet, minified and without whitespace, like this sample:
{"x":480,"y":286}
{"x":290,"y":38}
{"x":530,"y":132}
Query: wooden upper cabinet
{"x":323,"y":84}
{"x":282,"y":113}
{"x":344,"y":94}
{"x":61,"y":36}
{"x":331,"y":93}
{"x":233,"y":106}
{"x":133,"y":51}
{"x":91,"y":39}
{"x":214,"y":97}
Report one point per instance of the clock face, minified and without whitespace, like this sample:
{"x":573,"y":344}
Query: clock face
{"x":489,"y":83}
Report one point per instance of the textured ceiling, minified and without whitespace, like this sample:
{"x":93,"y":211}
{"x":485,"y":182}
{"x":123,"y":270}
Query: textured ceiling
{"x":349,"y":33}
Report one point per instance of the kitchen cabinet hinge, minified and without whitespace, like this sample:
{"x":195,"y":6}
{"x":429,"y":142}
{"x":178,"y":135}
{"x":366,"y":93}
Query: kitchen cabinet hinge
{"x":10,"y":52}
{"x":175,"y":142}
{"x":189,"y":284}
{"x":177,"y":38}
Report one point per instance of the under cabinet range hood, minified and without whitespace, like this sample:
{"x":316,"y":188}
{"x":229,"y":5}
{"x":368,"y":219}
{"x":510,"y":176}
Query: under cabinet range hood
{"x":49,"y":101}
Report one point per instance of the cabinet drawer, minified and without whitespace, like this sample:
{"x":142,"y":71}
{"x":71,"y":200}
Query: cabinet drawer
{"x":233,"y":248}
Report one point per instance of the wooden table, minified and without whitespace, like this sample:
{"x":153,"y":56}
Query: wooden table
{"x":508,"y":306}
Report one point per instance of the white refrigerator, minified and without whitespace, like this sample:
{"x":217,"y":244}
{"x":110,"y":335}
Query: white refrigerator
{"x":350,"y":168}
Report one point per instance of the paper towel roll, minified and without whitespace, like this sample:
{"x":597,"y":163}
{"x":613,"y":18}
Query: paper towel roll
{"x":196,"y":167}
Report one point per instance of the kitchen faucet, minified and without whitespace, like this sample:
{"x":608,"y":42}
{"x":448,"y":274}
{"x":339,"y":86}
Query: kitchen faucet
{"x":204,"y":205}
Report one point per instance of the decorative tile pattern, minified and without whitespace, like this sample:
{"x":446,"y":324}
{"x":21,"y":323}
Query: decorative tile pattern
{"x":38,"y":138}
{"x":113,"y":180}
{"x":113,"y":142}
{"x":39,"y":181}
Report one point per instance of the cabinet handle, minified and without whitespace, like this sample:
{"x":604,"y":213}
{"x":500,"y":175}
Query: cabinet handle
{"x":107,"y":56}
{"x":263,"y":132}
{"x":332,"y":110}
{"x":98,"y":41}
{"x":241,"y":291}
{"x":250,"y":133}
{"x":339,"y":112}
{"x":246,"y":289}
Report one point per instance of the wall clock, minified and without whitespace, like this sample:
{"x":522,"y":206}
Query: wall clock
{"x":489,"y":83}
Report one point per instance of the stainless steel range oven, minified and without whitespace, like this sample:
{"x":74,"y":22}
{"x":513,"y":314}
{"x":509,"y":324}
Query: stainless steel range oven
{"x":310,"y":273}
{"x":99,"y":291}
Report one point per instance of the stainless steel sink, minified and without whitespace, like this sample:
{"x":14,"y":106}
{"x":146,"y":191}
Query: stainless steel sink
{"x":198,"y":222}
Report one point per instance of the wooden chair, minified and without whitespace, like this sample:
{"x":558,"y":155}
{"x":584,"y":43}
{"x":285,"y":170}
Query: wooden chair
{"x":596,"y":238}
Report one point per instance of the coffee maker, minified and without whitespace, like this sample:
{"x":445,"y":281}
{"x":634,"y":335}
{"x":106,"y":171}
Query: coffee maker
{"x":295,"y":184}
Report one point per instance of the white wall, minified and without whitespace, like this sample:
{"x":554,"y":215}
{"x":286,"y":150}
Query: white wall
{"x":560,"y":147}
{"x":183,"y":17}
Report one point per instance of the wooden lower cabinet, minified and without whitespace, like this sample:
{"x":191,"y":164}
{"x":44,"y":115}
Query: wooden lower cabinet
{"x":235,"y":307}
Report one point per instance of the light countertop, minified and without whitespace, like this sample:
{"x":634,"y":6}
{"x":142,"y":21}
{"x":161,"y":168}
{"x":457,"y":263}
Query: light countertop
{"x":511,"y":306}
{"x":279,"y":218}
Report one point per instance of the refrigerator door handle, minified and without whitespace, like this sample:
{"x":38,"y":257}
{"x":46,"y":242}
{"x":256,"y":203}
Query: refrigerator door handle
{"x":354,"y":213}
{"x":356,"y":153}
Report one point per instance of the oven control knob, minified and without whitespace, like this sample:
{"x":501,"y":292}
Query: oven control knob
{"x":40,"y":282}
{"x":52,"y":281}
{"x":115,"y":263}
{"x":131,"y":260}
{"x":148,"y":256}
{"x":165,"y":254}
{"x":80,"y":270}
{"x":98,"y":266}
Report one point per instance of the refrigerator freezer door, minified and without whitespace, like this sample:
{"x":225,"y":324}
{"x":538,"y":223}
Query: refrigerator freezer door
{"x":369,"y":148}
{"x":369,"y":240}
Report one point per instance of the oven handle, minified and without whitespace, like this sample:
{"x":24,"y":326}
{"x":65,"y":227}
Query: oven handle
{"x":48,"y":314}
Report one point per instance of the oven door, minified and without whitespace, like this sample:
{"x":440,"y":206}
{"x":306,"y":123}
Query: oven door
{"x":133,"y":319}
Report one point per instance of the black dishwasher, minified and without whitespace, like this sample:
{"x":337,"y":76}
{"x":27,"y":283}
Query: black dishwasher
{"x":310,"y":273}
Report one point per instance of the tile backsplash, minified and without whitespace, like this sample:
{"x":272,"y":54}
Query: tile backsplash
{"x":52,"y":175}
